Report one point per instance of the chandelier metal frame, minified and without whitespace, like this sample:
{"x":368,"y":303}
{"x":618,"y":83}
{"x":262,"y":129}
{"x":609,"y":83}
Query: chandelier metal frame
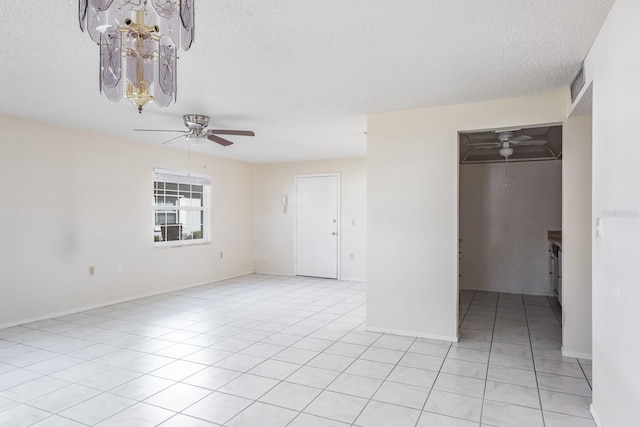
{"x":139,"y":42}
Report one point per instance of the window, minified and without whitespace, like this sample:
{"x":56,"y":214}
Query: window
{"x":181,"y":208}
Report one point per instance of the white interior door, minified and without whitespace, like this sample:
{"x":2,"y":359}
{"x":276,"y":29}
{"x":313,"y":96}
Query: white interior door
{"x":317,"y":226}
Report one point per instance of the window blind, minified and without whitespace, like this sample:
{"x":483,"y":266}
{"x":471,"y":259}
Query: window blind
{"x":181,"y":177}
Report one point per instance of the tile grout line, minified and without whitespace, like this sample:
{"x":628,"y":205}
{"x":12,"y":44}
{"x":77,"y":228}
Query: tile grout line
{"x":385,"y":378}
{"x":466,"y":312}
{"x":555,"y":314}
{"x":533,"y":359}
{"x":345,"y":369}
{"x":301,"y":366}
{"x":443,"y":361}
{"x":207,"y":365}
{"x":486,"y":377}
{"x":585,"y":375}
{"x":256,"y":327}
{"x":554,"y":311}
{"x":306,"y":363}
{"x":280,"y":381}
{"x":434,"y":383}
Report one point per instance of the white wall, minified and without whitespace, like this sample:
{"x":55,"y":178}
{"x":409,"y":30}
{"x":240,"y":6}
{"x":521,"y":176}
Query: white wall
{"x":576,"y":242}
{"x":274,"y":230}
{"x":614,"y":66}
{"x":504,"y":228}
{"x":412,"y":285}
{"x":72,"y":199}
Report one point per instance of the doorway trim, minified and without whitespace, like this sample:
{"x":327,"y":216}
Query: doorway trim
{"x":338,"y":219}
{"x":460,"y":241}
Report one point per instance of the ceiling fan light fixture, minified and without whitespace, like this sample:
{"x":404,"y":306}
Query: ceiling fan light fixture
{"x":196,"y":138}
{"x":139,"y":42}
{"x":506,"y":152}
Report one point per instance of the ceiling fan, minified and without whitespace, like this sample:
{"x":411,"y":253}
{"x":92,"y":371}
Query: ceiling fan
{"x":505,"y":143}
{"x":196,"y":133}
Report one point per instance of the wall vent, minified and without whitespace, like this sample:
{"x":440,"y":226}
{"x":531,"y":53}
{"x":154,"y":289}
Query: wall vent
{"x":577,"y":84}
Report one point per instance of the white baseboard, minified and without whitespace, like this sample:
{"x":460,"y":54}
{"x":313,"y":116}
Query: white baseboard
{"x":413,"y":334}
{"x":576,"y":354}
{"x":595,"y":416}
{"x":110,"y":302}
{"x":512,"y":291}
{"x":273,"y":274}
{"x":348,"y":279}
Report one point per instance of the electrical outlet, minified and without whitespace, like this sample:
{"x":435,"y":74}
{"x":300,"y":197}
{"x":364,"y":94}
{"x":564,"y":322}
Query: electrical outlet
{"x":92,"y":270}
{"x":120,"y":268}
{"x":221,"y":254}
{"x":352,"y":256}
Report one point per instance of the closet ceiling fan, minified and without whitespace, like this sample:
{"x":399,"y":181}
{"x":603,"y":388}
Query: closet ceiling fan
{"x":505,"y":143}
{"x":196,"y":131}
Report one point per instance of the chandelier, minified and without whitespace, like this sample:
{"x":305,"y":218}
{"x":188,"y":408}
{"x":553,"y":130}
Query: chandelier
{"x":139,"y":40}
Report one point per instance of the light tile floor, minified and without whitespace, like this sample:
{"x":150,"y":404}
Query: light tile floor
{"x":289,"y":351}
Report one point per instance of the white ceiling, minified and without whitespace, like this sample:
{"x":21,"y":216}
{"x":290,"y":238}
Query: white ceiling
{"x":302,"y":74}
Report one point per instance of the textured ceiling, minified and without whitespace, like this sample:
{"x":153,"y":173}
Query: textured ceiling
{"x":302,"y":74}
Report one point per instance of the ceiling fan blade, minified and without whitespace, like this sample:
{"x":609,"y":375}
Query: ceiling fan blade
{"x":486,"y":147}
{"x":484,"y":144}
{"x":173,"y":139}
{"x":520,"y":138}
{"x":231,"y":132}
{"x":528,"y":142}
{"x":221,"y":141}
{"x":160,"y":130}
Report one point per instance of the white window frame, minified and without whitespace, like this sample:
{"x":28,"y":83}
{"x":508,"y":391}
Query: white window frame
{"x":181,"y":177}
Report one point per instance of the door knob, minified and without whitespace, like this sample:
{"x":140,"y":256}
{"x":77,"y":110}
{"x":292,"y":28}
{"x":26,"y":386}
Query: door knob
{"x":334,"y":234}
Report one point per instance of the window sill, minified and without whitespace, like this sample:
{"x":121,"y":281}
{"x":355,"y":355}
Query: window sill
{"x":181,"y":243}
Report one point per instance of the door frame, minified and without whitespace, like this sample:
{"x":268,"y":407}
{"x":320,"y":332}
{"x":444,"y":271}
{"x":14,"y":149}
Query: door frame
{"x":338,"y":218}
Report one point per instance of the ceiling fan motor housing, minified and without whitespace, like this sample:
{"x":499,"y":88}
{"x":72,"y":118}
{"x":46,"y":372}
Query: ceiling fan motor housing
{"x":505,"y":136}
{"x":196,"y":121}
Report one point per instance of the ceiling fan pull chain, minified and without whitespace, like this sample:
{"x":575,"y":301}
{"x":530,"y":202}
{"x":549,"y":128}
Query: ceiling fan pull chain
{"x":506,"y":176}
